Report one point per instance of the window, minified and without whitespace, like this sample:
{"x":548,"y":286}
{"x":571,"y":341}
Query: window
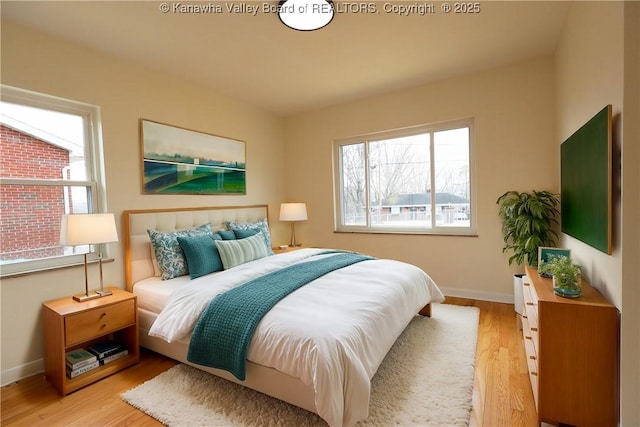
{"x":51,"y":165}
{"x":412,"y":180}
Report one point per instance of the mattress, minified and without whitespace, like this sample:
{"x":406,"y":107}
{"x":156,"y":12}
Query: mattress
{"x":154,"y":292}
{"x":331,"y":334}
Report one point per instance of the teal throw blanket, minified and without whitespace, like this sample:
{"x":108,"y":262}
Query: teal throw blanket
{"x":224,"y":331}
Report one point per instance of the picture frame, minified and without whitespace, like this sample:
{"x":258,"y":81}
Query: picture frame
{"x":545,"y":251}
{"x":182,"y":161}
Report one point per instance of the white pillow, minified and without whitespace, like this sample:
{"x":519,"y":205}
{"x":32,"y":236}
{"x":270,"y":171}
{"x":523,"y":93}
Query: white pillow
{"x":236,"y":252}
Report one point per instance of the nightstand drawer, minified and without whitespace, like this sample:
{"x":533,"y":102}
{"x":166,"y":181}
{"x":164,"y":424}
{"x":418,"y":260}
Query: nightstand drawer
{"x":98,"y":321}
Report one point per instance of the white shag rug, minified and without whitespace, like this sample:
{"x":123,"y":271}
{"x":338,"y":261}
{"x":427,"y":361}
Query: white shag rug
{"x":425,"y":380}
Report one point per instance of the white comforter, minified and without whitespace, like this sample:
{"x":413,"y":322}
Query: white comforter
{"x":332,"y":333}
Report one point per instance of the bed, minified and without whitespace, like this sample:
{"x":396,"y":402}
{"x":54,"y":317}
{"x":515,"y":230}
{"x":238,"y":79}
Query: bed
{"x":318,"y":348}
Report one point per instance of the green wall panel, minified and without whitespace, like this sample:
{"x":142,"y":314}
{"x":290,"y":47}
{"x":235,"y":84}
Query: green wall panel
{"x":585,"y":187}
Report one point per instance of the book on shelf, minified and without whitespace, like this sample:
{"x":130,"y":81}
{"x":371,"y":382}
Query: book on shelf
{"x":79,"y":358}
{"x":72,"y":373}
{"x":114,"y":357}
{"x":105,"y":349}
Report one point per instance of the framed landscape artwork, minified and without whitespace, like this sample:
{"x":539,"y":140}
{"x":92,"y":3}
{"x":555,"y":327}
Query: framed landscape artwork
{"x":182,"y":161}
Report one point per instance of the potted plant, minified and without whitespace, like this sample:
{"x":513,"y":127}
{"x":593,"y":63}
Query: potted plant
{"x":528,"y":222}
{"x":565,"y":273}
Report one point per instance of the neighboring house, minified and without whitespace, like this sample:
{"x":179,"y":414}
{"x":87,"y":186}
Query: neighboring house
{"x":416,"y":206}
{"x":30,"y":214}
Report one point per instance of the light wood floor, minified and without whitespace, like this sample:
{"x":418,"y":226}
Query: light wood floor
{"x":502,"y":396}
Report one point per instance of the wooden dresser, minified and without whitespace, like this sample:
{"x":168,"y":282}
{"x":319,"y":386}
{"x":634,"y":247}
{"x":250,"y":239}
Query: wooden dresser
{"x":572,"y":354}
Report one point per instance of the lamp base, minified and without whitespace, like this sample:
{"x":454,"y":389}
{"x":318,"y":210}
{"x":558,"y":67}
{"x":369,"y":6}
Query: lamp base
{"x":86,"y":297}
{"x":104,"y":293}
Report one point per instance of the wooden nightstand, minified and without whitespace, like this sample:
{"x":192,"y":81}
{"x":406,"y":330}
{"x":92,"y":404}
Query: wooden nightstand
{"x":69,"y":325}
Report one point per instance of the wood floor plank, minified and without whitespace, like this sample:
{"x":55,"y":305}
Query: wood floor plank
{"x":502,"y":388}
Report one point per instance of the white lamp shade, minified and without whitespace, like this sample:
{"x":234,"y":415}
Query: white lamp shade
{"x":293,"y":212}
{"x":88,"y":229}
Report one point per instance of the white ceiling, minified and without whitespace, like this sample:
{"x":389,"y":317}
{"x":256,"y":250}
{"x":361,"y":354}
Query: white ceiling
{"x":258,"y":60}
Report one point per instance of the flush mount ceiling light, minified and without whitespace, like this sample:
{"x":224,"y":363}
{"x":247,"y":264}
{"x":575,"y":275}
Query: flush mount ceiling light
{"x":306,"y":15}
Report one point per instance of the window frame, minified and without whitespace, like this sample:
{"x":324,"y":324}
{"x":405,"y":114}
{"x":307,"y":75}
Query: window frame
{"x":94,"y":166}
{"x":432,"y":128}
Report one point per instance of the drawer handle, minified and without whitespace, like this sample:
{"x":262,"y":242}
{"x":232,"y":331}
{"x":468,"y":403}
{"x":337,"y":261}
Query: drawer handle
{"x":534,"y":329}
{"x":532,"y":357}
{"x":529,"y":338}
{"x":103,"y":314}
{"x":529,"y":303}
{"x":534,"y":374}
{"x":104,"y":325}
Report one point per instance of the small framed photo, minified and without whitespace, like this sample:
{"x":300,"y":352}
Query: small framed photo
{"x":544,"y":252}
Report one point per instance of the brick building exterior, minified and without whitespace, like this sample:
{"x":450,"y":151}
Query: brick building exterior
{"x":30,"y":215}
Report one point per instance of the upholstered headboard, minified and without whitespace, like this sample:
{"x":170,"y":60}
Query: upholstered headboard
{"x":137,"y":246}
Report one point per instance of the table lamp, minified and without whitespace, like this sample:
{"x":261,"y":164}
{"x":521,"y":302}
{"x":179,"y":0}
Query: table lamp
{"x":293,"y":212}
{"x":88,"y":229}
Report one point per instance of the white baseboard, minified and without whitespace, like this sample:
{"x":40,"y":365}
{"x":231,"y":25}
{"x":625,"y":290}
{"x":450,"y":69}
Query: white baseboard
{"x":476,"y":294}
{"x":23,"y":371}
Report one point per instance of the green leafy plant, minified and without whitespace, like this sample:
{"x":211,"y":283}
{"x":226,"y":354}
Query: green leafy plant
{"x":565,"y":272}
{"x":528,"y":220}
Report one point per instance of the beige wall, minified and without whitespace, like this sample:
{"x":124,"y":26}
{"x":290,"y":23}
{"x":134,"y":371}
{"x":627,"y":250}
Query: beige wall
{"x":597,"y":63}
{"x":125,"y":94}
{"x":589,"y":73}
{"x":514,"y":126}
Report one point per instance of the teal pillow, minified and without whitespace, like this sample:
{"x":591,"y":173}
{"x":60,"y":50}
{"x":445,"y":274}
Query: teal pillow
{"x":236,"y":252}
{"x":226,"y":234}
{"x":169,"y":255}
{"x":243,"y":234}
{"x":261,"y":225}
{"x":201,"y":254}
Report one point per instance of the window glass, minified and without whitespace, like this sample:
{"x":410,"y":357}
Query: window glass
{"x":399,"y":176}
{"x":46,"y":144}
{"x":353,"y":177}
{"x":451,"y":157}
{"x":415,"y":180}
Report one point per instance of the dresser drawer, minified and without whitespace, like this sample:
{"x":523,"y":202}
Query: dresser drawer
{"x":533,"y":378}
{"x":98,"y":321}
{"x":532,"y":357}
{"x":531,"y":306}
